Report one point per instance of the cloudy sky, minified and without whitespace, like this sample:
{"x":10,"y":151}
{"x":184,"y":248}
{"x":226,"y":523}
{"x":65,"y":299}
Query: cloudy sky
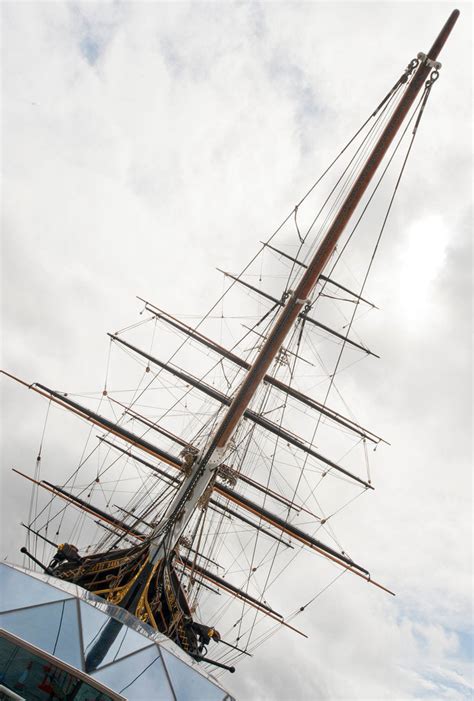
{"x":146,"y":143}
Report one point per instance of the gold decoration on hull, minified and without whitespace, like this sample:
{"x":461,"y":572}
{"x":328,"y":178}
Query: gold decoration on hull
{"x":151,"y":592}
{"x":143,"y":610}
{"x":177,"y":615}
{"x":116,"y":594}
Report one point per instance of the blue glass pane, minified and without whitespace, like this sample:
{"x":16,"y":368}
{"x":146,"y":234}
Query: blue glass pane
{"x":37,"y":679}
{"x":121,"y":640}
{"x":140,"y":677}
{"x":51,"y":627}
{"x":18,"y":589}
{"x":188,"y":684}
{"x":69,"y":588}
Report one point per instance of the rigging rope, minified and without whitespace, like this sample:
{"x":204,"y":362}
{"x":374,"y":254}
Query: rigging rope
{"x":419,"y":109}
{"x":386,"y":100}
{"x":328,"y":168}
{"x":333,"y":374}
{"x":34,"y":488}
{"x":266,"y":394}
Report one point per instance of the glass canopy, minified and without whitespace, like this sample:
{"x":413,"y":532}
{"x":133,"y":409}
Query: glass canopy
{"x":64,"y":624}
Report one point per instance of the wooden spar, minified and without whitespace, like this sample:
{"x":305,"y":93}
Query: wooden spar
{"x":269,"y":379}
{"x":247,"y":413}
{"x":215,"y":503}
{"x":107,"y":519}
{"x":137,"y":518}
{"x":239,"y":475}
{"x":288,"y":528}
{"x":170,"y":479}
{"x":234,"y":647}
{"x":218,"y":581}
{"x":301,"y":315}
{"x":180,"y":571}
{"x":98,"y":512}
{"x":277,"y":522}
{"x":298,"y":298}
{"x":88,"y":508}
{"x":322,"y":277}
{"x":37,"y":533}
{"x":274,"y":495}
{"x":119,"y":537}
{"x":228,"y":511}
{"x":284,"y":349}
{"x":224,"y":491}
{"x":151,"y":424}
{"x":197,"y":335}
{"x":108,"y":425}
{"x":303,"y":538}
{"x":201,"y":556}
{"x":44,"y":567}
{"x":96,"y":419}
{"x":119,"y":524}
{"x":222,"y":584}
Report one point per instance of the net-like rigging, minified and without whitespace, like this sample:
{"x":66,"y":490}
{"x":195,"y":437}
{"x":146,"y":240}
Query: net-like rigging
{"x":274,"y":490}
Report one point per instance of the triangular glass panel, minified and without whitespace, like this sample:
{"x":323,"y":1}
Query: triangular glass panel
{"x":107,"y":639}
{"x":188,"y":683}
{"x":34,"y":678}
{"x":18,"y":589}
{"x":51,"y":627}
{"x":138,"y":677}
{"x":61,"y":584}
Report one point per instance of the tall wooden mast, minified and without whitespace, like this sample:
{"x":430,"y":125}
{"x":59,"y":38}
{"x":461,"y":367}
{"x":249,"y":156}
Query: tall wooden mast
{"x":299,"y":297}
{"x":204,"y":470}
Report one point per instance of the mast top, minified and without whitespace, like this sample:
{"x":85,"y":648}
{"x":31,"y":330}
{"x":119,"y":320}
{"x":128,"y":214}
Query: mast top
{"x":443,"y":35}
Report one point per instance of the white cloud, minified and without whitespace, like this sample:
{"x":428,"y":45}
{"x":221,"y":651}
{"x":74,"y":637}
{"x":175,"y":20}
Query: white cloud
{"x":146,"y":143}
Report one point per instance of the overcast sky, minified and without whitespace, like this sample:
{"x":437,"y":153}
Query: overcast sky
{"x":146,"y":143}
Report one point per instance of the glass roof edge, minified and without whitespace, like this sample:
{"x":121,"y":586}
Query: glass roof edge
{"x":35,"y":606}
{"x":75,"y":591}
{"x":61,"y":664}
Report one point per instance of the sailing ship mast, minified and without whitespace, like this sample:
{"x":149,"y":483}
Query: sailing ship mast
{"x":142,"y":578}
{"x":204,"y":469}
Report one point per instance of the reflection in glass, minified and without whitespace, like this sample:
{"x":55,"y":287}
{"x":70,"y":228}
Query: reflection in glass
{"x":51,"y":627}
{"x":93,"y":624}
{"x":18,"y":590}
{"x":187,"y":683}
{"x":36,"y":679}
{"x":140,"y":677}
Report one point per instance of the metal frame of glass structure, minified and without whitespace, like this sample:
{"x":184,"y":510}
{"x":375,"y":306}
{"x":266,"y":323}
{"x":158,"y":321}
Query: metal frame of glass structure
{"x":59,"y":623}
